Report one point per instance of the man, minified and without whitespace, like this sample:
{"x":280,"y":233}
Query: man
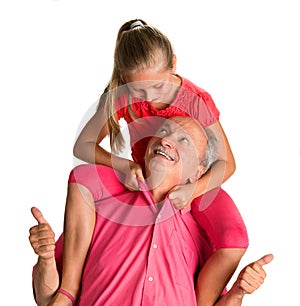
{"x":141,"y":250}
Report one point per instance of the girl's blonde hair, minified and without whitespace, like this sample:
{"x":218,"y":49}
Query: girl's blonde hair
{"x":138,"y":46}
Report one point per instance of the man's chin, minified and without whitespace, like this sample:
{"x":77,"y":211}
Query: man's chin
{"x":158,"y":172}
{"x":159,"y":165}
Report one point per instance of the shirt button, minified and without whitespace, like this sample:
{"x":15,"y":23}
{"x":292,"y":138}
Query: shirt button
{"x":155,"y":246}
{"x":150,"y":279}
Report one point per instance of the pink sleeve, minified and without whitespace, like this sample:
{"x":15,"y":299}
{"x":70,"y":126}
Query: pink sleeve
{"x":218,"y":215}
{"x":101,"y":181}
{"x":206,"y":97}
{"x":200,"y":105}
{"x":205,"y":110}
{"x":89,"y":176}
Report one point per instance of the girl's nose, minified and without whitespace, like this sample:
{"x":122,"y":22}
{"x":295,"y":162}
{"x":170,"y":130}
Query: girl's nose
{"x":149,"y":95}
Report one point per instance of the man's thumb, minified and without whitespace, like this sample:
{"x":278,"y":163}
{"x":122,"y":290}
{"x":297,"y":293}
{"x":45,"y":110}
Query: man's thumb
{"x":265,"y":259}
{"x":38,"y":215}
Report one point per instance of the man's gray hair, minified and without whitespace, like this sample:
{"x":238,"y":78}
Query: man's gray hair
{"x":211,"y":150}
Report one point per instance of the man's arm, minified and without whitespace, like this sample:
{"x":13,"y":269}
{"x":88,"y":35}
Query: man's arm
{"x":79,"y":223}
{"x":249,"y":280}
{"x":216,"y":273}
{"x":78,"y":229}
{"x":45,"y":274}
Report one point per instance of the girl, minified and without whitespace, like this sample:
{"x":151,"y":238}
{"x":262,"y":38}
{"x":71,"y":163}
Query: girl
{"x":143,"y":87}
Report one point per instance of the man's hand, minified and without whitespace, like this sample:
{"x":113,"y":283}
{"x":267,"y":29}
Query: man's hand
{"x":42,"y":238}
{"x":45,"y":274}
{"x":252,"y":276}
{"x":249,"y":280}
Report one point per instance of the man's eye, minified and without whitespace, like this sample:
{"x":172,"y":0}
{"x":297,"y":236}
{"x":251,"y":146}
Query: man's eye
{"x":163,"y":131}
{"x":184,"y":140}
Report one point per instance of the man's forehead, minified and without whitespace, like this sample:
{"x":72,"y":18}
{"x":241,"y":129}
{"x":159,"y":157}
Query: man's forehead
{"x":182,"y":123}
{"x":187,"y":126}
{"x":176,"y":126}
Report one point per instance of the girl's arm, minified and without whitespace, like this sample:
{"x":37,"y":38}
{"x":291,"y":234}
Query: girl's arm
{"x":220,"y":171}
{"x":215,"y":275}
{"x":223,"y":168}
{"x":87,"y":148}
{"x":79,"y":225}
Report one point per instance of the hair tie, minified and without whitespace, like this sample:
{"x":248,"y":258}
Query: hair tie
{"x":135,"y":24}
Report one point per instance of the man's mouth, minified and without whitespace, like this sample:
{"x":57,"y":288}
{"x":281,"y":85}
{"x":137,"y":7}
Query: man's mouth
{"x":162,"y":152}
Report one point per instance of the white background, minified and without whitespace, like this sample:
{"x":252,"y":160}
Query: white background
{"x":56,"y":58}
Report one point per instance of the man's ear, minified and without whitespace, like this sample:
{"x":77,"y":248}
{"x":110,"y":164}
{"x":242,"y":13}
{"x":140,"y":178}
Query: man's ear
{"x":200,"y":171}
{"x":174,"y":63}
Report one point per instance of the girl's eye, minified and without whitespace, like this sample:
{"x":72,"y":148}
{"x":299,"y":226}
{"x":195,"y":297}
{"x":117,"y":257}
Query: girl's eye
{"x":132,"y":89}
{"x":158,"y":86}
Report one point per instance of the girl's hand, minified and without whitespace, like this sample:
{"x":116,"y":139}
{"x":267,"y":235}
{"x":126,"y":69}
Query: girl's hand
{"x":133,"y":173}
{"x":182,"y":195}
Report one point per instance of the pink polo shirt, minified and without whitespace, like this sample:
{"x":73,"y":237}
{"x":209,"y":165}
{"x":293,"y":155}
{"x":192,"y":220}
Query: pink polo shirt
{"x":143,"y":253}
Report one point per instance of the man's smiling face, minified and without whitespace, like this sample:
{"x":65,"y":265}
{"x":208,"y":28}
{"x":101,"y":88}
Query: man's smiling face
{"x":176,"y":150}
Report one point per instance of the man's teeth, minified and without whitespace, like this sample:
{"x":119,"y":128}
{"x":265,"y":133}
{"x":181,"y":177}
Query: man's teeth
{"x":163,"y":154}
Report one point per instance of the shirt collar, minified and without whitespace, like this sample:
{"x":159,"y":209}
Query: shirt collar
{"x":144,"y":188}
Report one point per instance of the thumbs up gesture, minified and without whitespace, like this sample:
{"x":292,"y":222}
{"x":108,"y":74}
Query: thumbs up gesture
{"x":41,"y":236}
{"x":253,"y":275}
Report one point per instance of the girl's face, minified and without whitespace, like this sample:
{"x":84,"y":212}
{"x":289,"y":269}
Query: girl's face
{"x":153,"y":85}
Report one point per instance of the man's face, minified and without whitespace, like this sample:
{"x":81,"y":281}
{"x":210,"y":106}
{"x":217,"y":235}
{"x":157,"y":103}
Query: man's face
{"x":177,"y":150}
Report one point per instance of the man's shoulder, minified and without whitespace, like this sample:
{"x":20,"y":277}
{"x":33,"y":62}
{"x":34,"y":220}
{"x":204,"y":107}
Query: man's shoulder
{"x":97,"y":178}
{"x":212,"y":197}
{"x":94,"y":171}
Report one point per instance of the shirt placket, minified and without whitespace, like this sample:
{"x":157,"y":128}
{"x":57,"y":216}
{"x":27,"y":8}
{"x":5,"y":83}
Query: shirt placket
{"x":156,"y":250}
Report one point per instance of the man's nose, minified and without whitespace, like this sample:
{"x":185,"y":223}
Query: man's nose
{"x":167,"y":142}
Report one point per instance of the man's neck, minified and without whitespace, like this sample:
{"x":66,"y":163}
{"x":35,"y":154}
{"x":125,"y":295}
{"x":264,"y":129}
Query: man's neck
{"x":158,"y":195}
{"x":159,"y":189}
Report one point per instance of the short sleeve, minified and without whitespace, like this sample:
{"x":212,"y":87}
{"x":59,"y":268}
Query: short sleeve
{"x":209,"y":102}
{"x":197,"y":102}
{"x":217,"y":214}
{"x":205,"y":110}
{"x":101,"y":181}
{"x":88,"y":176}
